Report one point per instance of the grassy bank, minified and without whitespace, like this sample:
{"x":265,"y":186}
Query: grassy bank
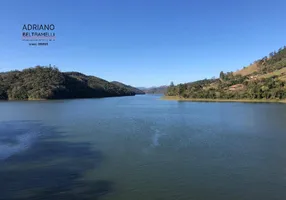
{"x":176,"y":98}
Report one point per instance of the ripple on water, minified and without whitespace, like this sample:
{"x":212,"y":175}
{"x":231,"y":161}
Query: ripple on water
{"x":40,"y":164}
{"x":14,"y":139}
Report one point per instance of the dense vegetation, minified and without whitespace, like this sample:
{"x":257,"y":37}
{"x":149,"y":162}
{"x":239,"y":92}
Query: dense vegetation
{"x":129,"y":87}
{"x":49,"y":83}
{"x":266,"y":81}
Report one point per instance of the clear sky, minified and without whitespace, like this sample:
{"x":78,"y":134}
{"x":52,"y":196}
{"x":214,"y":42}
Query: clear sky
{"x":144,"y":42}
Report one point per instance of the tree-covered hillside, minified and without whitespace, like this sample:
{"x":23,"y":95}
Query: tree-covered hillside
{"x":49,"y":83}
{"x":130,"y":88}
{"x":264,"y":79}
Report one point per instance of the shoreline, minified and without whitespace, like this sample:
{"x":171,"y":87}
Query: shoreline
{"x":176,"y":98}
{"x":58,"y":99}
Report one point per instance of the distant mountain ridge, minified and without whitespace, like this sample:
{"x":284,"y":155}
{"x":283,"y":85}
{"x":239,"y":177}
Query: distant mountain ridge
{"x":155,"y":90}
{"x":129,"y":87}
{"x":49,"y":83}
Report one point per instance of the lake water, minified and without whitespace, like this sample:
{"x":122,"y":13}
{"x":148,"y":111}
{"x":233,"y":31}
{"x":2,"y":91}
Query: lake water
{"x":142,"y":148}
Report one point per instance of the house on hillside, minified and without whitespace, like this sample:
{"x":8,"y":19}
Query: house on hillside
{"x":253,"y":77}
{"x":236,"y":87}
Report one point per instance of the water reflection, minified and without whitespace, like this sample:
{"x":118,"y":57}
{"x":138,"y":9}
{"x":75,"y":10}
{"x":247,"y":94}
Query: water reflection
{"x":38,"y":164}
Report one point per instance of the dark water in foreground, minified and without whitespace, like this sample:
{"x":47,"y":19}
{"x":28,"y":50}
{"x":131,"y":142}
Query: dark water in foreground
{"x":142,"y":148}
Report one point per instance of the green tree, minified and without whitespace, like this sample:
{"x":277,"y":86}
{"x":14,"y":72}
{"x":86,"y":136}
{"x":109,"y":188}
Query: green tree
{"x":182,"y":89}
{"x":222,"y":75}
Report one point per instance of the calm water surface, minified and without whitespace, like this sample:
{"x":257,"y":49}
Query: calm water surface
{"x":142,"y":148}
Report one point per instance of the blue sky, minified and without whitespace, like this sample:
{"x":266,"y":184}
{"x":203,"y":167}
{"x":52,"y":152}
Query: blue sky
{"x":144,"y":42}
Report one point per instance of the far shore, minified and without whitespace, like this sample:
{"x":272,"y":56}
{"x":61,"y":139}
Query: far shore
{"x":59,"y":99}
{"x":176,"y":98}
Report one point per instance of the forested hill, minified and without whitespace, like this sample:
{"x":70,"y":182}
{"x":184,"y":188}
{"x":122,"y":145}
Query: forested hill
{"x":264,"y":79}
{"x":132,"y":89}
{"x":49,"y":83}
